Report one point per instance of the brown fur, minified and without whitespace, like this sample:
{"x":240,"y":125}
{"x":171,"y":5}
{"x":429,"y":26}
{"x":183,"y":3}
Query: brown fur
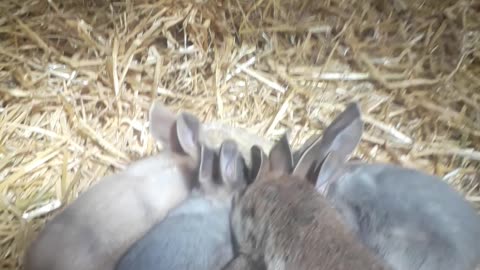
{"x":286,"y":224}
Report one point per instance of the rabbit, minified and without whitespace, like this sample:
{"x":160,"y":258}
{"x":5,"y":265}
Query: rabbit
{"x":214,"y":134}
{"x":410,"y":219}
{"x":279,"y":221}
{"x":195,"y":235}
{"x":93,"y":231}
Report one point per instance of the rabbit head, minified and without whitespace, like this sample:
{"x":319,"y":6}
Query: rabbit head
{"x":280,"y":220}
{"x":180,"y":138}
{"x":192,"y":133}
{"x":222,"y":172}
{"x":338,"y":141}
{"x":214,"y":134}
{"x":246,"y":224}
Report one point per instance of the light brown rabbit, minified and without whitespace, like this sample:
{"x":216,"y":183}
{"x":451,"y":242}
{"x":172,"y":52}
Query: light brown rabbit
{"x":281,"y":222}
{"x":92,"y":232}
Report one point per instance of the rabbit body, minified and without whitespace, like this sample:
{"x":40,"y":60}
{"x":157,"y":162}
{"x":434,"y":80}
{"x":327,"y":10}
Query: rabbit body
{"x":103,"y":222}
{"x":81,"y":238}
{"x":291,"y":226}
{"x":410,"y":219}
{"x":414,"y":220}
{"x":97,"y":228}
{"x":196,"y":235}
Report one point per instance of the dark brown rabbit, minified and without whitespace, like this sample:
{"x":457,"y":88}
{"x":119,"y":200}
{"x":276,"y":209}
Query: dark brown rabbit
{"x":281,"y":222}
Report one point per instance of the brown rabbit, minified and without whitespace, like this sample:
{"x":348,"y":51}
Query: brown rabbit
{"x":281,"y":222}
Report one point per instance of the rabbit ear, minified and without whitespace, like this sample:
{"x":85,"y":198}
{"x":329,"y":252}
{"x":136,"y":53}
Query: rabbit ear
{"x":341,"y":136}
{"x":280,"y":157}
{"x":259,"y":160}
{"x":207,"y":169}
{"x":161,"y":122}
{"x":185,"y":135}
{"x":232,"y":164}
{"x":308,"y":143}
{"x":180,"y":134}
{"x":306,"y":158}
{"x":329,"y":171}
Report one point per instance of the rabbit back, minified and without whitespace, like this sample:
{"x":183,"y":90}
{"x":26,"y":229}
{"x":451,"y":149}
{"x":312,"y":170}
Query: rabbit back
{"x":94,"y":230}
{"x":414,"y":219}
{"x":195,"y":235}
{"x":214,"y":134}
{"x":409,"y":218}
{"x":105,"y":219}
{"x":294,"y":227}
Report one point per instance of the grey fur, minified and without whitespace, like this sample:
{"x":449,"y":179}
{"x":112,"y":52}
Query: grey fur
{"x":195,"y":235}
{"x":411,"y":219}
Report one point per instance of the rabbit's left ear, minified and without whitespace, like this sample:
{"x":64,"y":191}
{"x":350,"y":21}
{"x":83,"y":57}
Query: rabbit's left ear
{"x":341,"y":136}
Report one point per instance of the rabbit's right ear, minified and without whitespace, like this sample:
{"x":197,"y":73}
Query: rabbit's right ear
{"x":280,"y":157}
{"x":341,"y":136}
{"x":232,"y":165}
{"x":329,"y":171}
{"x":180,"y":134}
{"x":207,"y":169}
{"x":259,"y":163}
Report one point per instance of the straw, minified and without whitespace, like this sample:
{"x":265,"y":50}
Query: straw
{"x":77,"y":79}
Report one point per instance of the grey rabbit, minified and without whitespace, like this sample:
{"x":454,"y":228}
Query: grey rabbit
{"x":410,"y":219}
{"x":195,"y":235}
{"x":280,"y":222}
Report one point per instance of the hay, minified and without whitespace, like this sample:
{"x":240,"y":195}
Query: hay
{"x":77,"y":79}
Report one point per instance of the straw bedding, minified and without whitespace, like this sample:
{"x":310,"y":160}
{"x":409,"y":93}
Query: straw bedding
{"x":77,"y":79}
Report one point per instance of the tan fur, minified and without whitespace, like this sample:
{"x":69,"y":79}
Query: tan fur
{"x":134,"y":200}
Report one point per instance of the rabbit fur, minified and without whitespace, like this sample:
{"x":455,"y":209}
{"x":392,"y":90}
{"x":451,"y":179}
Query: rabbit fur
{"x":281,"y":222}
{"x":196,"y":235}
{"x":411,"y":219}
{"x":103,"y":222}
